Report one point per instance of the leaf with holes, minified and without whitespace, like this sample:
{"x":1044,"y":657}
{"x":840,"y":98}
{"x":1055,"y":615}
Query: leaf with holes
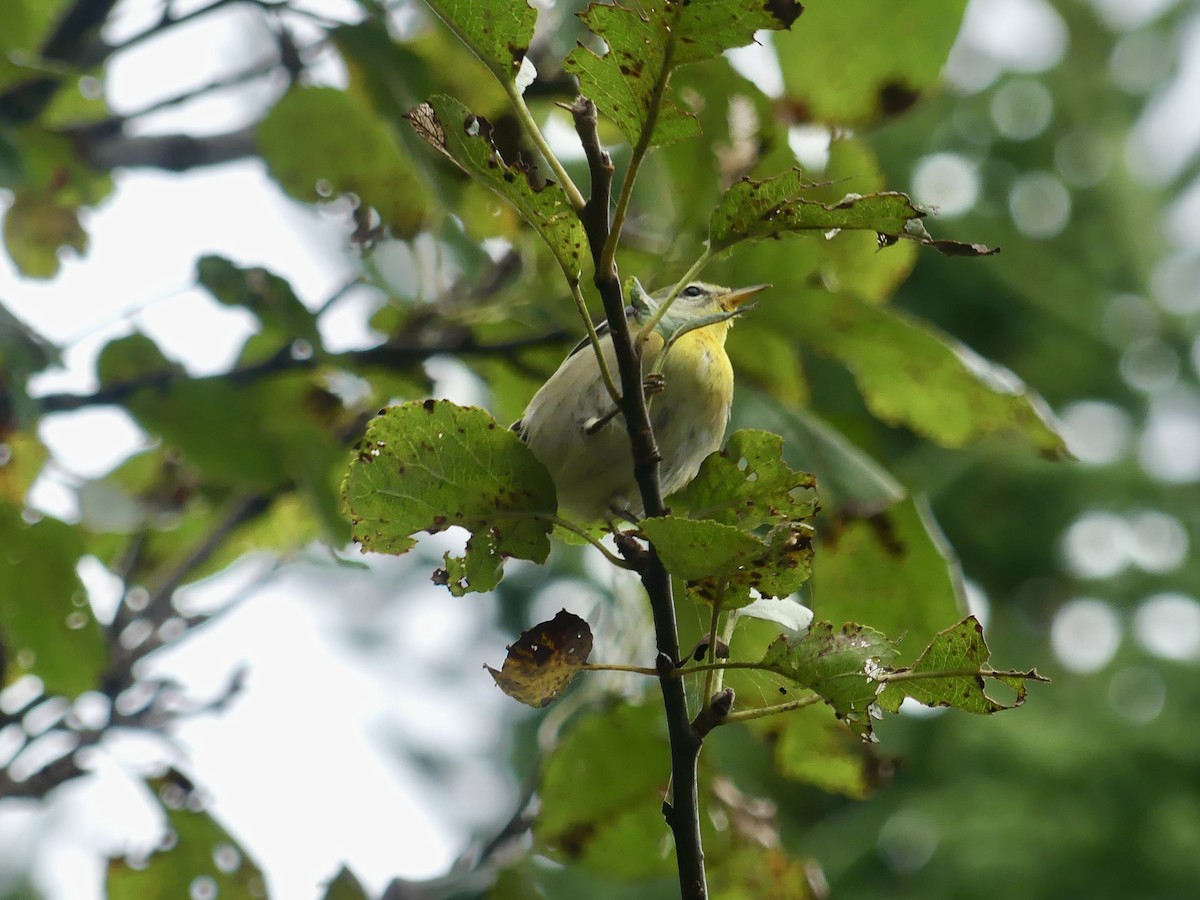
{"x":496,"y":31}
{"x":855,"y":62}
{"x":430,"y":465}
{"x":448,"y":126}
{"x":748,"y":484}
{"x":645,"y":41}
{"x":544,"y":660}
{"x":752,"y":210}
{"x":894,"y":569}
{"x":845,"y":667}
{"x":717,"y":559}
{"x":952,"y":672}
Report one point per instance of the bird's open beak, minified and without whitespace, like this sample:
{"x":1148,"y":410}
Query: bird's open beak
{"x":735,"y":298}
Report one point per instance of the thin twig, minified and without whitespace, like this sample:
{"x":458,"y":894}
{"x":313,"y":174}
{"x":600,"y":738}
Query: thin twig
{"x":617,"y":667}
{"x":393,"y":354}
{"x":745,"y":715}
{"x":539,"y":140}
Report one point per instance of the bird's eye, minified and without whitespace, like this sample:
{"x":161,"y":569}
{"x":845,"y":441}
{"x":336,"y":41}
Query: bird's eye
{"x":692,"y":291}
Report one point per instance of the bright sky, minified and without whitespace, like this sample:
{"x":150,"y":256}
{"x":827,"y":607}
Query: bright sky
{"x":304,"y":766}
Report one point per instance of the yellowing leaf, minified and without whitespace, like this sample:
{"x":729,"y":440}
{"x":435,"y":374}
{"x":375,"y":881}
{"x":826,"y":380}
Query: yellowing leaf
{"x":36,"y":227}
{"x":544,"y":660}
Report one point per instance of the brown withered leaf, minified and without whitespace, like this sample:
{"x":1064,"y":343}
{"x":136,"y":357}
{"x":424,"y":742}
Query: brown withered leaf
{"x":544,"y":659}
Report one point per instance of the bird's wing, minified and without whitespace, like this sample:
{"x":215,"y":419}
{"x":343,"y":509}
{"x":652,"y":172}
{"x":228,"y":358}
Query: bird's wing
{"x":601,"y":330}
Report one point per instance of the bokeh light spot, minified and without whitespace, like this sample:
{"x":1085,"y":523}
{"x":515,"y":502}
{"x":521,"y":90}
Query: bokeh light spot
{"x":907,"y":841}
{"x":1083,"y":158}
{"x":1175,"y":283}
{"x":1039,"y":204}
{"x":946,"y":181}
{"x":1085,"y":635}
{"x":1021,"y":109}
{"x":1096,"y":432}
{"x":1137,"y":694}
{"x":1160,"y":542}
{"x":1150,"y":365}
{"x":1168,"y":625}
{"x":1169,"y":446}
{"x":1096,"y":545}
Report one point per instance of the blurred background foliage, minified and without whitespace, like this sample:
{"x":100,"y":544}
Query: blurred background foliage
{"x":1061,"y":131}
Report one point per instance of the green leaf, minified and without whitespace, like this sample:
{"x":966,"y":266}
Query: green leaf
{"x":131,"y":357}
{"x":761,"y":209}
{"x":21,"y":459}
{"x":618,"y":830}
{"x":448,"y":126}
{"x":812,"y":747}
{"x":36,"y":228}
{"x":345,"y":886}
{"x":46,"y":624}
{"x":251,"y":435}
{"x":544,"y":660}
{"x":203,"y":859}
{"x":427,"y":466}
{"x":717,"y":559}
{"x":497,"y":31}
{"x":268,"y":296}
{"x":647,"y":40}
{"x":893,"y":569}
{"x":752,"y":210}
{"x":952,"y":671}
{"x":913,"y":375}
{"x":755,"y":872}
{"x":847,"y":477}
{"x":843,"y":667}
{"x":853,"y":62}
{"x":770,"y":361}
{"x":320,"y":141}
{"x":748,"y":484}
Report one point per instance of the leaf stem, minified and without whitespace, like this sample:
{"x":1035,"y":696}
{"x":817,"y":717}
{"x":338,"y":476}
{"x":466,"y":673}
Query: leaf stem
{"x":539,"y":140}
{"x":590,"y":538}
{"x":594,"y":338}
{"x":712,"y":677}
{"x":745,"y":715}
{"x":639,"y":154}
{"x":696,"y":268}
{"x":615,"y":667}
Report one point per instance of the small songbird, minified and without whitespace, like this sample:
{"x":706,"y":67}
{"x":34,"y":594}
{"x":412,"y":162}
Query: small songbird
{"x":573,"y":427}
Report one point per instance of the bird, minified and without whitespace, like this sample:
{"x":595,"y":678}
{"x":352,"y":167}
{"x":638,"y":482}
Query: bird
{"x":574,"y":428}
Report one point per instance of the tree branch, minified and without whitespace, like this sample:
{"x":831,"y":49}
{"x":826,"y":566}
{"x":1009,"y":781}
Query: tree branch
{"x":108,"y":147}
{"x":682,"y":812}
{"x":391,"y":355}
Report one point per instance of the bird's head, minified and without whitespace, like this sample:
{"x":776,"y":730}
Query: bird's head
{"x":697,"y":302}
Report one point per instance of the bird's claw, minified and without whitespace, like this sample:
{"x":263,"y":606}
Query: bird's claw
{"x":654,"y":383}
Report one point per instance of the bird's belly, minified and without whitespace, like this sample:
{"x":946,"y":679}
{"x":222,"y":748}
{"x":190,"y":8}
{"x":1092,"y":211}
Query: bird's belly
{"x":689,"y":418}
